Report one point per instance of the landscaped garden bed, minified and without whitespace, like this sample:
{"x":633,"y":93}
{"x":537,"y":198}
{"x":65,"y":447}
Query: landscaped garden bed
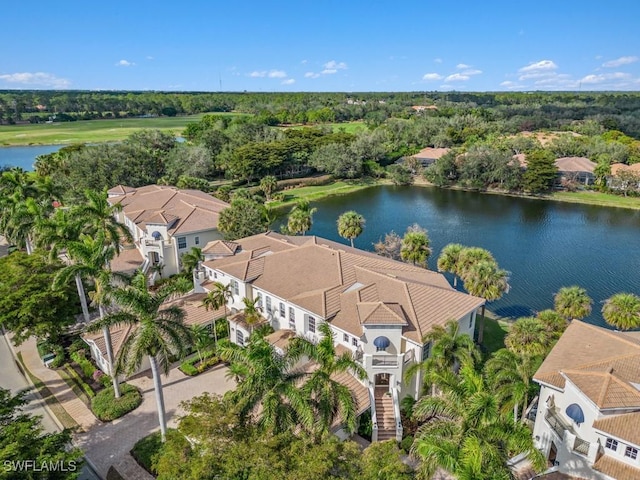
{"x":147,"y":448}
{"x":196,"y":365}
{"x":107,"y":408}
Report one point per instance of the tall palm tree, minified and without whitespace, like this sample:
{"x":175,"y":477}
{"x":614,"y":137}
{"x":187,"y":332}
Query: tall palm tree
{"x":449,"y":350}
{"x":449,"y":260}
{"x":415,"y":246}
{"x":301,"y":218}
{"x":509,"y":376}
{"x":486,"y":280}
{"x":267,"y":386}
{"x":350,"y":225}
{"x":158,"y":332}
{"x":329,"y":398}
{"x":251,"y":313}
{"x":268,"y":185}
{"x":572,"y":302}
{"x":216,"y":299}
{"x":553,"y":323}
{"x":191,"y":259}
{"x":469,"y":256}
{"x":622,"y":311}
{"x":464,"y":433}
{"x":201,"y":339}
{"x":527,"y":337}
{"x":90,"y":257}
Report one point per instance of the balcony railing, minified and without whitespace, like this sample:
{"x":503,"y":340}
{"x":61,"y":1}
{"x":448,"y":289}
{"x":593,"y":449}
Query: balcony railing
{"x":581,"y":446}
{"x":556,"y":423}
{"x":385,"y":361}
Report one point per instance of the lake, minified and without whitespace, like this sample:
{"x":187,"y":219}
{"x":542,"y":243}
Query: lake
{"x":545,"y":245}
{"x":24,"y":157}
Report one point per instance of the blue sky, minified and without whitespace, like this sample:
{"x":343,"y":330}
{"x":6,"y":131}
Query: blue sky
{"x":321,"y":45}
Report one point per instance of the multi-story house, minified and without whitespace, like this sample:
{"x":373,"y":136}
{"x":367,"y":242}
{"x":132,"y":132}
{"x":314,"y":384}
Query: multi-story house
{"x":378,"y":309}
{"x":588,"y":415}
{"x":166,"y":222}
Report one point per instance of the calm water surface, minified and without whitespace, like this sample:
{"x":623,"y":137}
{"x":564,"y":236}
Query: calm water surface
{"x":545,"y":245}
{"x":24,"y":157}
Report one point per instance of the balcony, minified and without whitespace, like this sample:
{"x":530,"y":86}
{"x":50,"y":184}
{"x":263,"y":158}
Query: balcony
{"x":581,"y":446}
{"x":556,"y":423}
{"x":384,"y":361}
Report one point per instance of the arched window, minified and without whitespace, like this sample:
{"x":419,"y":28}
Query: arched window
{"x":381,"y":344}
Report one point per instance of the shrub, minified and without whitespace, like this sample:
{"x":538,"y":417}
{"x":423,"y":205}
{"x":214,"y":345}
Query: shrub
{"x":87,"y":367}
{"x":78,"y":345}
{"x":187,"y":368}
{"x":105,"y":380}
{"x":59,"y":359}
{"x":147,"y":448}
{"x":79,"y":381}
{"x":406,"y":443}
{"x":97,"y":374}
{"x":106,"y":407}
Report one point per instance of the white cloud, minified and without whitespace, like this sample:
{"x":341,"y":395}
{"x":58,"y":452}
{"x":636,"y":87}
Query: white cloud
{"x":432,"y":76}
{"x":329,"y":71}
{"x":620,"y":61}
{"x":124,"y":63}
{"x":511,"y":85}
{"x":472,"y":71}
{"x":288,"y":81}
{"x":605,"y":77}
{"x":277,"y":74}
{"x":457,"y":77}
{"x":258,"y":74}
{"x":333,"y":65}
{"x":437,"y":60}
{"x":149,"y":57}
{"x":461,"y":66}
{"x":311,"y":75}
{"x":41,"y":79}
{"x":541,"y":66}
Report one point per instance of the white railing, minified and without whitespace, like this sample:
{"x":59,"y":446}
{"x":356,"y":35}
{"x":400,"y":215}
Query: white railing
{"x":374,"y":418}
{"x":385,"y":361}
{"x":396,"y":412}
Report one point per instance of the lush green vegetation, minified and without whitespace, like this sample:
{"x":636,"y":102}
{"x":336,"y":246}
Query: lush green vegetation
{"x":108,"y":408}
{"x":146,"y":449}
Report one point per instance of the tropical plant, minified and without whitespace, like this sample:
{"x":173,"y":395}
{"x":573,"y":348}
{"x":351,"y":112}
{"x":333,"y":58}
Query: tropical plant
{"x":415,"y":246}
{"x":572,"y":302}
{"x":158,"y":332}
{"x":622,"y":311}
{"x":215,"y":299}
{"x":329,"y":399}
{"x":527,"y":337}
{"x":464,"y":433}
{"x":300,"y":218}
{"x":350,"y":225}
{"x":191,"y":259}
{"x":201,"y":339}
{"x":251,"y":312}
{"x":553,"y":323}
{"x":449,"y":260}
{"x":268,"y":185}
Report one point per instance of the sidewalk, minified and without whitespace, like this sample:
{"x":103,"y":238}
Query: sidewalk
{"x":58,"y":387}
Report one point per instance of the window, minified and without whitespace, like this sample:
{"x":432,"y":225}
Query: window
{"x":345,"y":338}
{"x":312,"y":325}
{"x":292,"y":318}
{"x":354,"y":341}
{"x":182,"y":242}
{"x":235,"y":286}
{"x":197,"y":241}
{"x":259,"y":299}
{"x":426,"y":351}
{"x":240,"y":338}
{"x":268,"y":304}
{"x":470,"y":321}
{"x":631,"y":452}
{"x":282,"y":314}
{"x":611,"y":444}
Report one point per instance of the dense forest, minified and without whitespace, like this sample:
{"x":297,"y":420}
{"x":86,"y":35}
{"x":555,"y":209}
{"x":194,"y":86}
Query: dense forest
{"x":290,"y":135}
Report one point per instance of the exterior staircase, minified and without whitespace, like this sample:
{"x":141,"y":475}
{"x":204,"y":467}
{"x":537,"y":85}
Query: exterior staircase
{"x":385,"y":414}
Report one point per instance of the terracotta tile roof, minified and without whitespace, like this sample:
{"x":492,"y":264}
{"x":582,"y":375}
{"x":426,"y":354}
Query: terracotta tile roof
{"x":120,"y":190}
{"x":381,"y":314}
{"x":220,"y":247}
{"x":239,"y":319}
{"x":360,"y":392}
{"x":605,"y":389}
{"x":280,"y":338}
{"x":432,"y":153}
{"x":118,"y":334}
{"x":575,"y":164}
{"x":621,"y":167}
{"x":616,"y":469}
{"x":624,"y":427}
{"x":584,"y":345}
{"x":128,"y":261}
{"x":184,"y":211}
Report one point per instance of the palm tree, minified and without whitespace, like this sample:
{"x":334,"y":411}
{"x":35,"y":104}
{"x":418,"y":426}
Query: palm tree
{"x":329,"y":398}
{"x":268,"y":185}
{"x":350,"y":225}
{"x":449,"y":260}
{"x":251,"y":313}
{"x":216,"y":299}
{"x":509,"y":376}
{"x":486,"y":280}
{"x":415,"y":246}
{"x":90,"y":257}
{"x":622,"y":311}
{"x":464,"y":433}
{"x":158,"y":332}
{"x":191,"y":260}
{"x":449,"y":350}
{"x":301,"y":218}
{"x":201,"y":339}
{"x":527,"y":337}
{"x":572,"y":302}
{"x":553,"y":323}
{"x":266,"y":386}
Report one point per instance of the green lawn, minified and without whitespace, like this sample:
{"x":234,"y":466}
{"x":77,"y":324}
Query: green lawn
{"x":494,"y":332}
{"x":312,"y":193}
{"x":90,"y":131}
{"x":597,"y":198}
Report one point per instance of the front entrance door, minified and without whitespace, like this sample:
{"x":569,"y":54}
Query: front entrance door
{"x":553,"y":453}
{"x":382,"y":380}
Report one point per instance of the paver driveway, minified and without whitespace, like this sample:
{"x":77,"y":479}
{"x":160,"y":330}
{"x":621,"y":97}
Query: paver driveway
{"x":109,"y":443}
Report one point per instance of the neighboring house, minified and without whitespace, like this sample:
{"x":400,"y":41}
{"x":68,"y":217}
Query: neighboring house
{"x":422,"y":108}
{"x":166,"y":222}
{"x":429,"y":155}
{"x":576,"y":170}
{"x":588,"y":415}
{"x":195,"y":314}
{"x":378,"y":309}
{"x":624,"y":177}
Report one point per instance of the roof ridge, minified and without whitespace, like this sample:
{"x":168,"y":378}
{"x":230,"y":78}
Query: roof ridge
{"x":609,"y":333}
{"x":604,"y":390}
{"x":610,"y":359}
{"x":414,"y":317}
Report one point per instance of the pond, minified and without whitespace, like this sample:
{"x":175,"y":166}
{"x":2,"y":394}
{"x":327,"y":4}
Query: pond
{"x":545,"y":245}
{"x":24,"y":157}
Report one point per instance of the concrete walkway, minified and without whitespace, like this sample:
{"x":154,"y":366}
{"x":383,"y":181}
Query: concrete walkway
{"x":58,"y":387}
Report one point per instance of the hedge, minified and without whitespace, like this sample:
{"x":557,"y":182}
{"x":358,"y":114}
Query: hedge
{"x":106,"y":407}
{"x":87,"y":367}
{"x":188,"y":367}
{"x":79,"y":381}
